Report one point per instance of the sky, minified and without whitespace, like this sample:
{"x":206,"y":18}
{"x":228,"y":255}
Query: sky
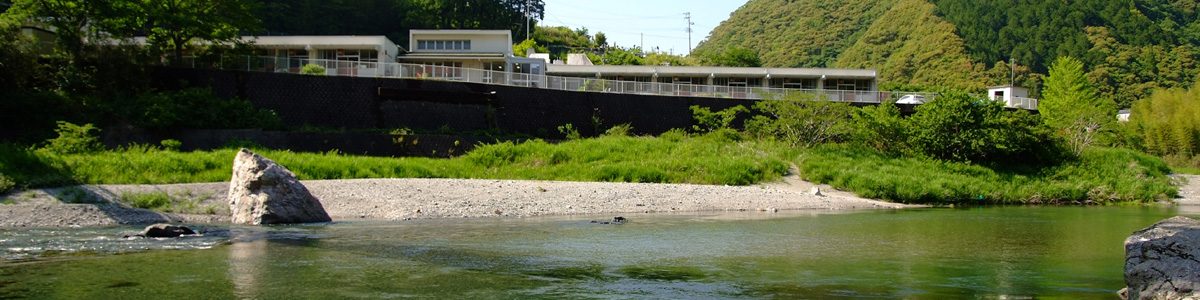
{"x":624,"y":22}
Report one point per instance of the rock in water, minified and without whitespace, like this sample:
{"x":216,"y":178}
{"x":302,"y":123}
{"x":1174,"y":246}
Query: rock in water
{"x":1163,"y":261}
{"x":165,"y":231}
{"x":263,"y":192}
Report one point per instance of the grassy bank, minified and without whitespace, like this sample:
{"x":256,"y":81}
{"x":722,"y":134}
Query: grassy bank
{"x":1100,"y":175}
{"x":672,"y":158}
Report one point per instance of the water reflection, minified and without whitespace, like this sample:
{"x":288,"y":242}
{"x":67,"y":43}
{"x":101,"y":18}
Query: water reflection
{"x":247,"y":262}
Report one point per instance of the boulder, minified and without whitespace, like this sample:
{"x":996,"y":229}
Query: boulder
{"x":165,"y":231}
{"x":263,"y":192}
{"x":1163,"y":261}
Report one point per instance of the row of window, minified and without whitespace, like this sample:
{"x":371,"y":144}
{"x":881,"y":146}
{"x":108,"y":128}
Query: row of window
{"x":444,"y":45}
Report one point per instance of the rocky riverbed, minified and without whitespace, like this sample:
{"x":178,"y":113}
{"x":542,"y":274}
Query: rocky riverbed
{"x":405,"y":199}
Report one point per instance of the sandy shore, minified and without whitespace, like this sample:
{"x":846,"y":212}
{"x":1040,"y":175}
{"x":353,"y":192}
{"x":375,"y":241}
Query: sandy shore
{"x":405,"y":199}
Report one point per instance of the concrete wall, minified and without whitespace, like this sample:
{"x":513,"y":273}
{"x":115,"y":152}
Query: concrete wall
{"x":374,"y":103}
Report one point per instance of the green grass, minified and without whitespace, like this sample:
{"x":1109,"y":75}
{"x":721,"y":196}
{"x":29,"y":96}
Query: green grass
{"x":1100,"y":175}
{"x":673,"y":158}
{"x":152,"y":201}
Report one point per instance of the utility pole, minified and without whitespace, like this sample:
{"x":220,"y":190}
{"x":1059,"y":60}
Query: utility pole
{"x":688,"y":16}
{"x":643,"y":45}
{"x":528,"y":15}
{"x":1012,"y":80}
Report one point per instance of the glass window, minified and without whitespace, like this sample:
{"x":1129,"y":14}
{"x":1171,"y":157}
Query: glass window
{"x":440,"y":45}
{"x":467,"y":45}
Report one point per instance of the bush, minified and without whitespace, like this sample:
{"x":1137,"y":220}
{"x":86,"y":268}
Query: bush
{"x":569,"y":132}
{"x":802,"y":122}
{"x":74,"y":139}
{"x":1102,"y":175}
{"x":709,"y":121}
{"x":6,"y":184}
{"x":957,"y":127}
{"x":619,"y":130}
{"x":881,"y":128}
{"x":312,"y":69}
{"x":170,"y":144}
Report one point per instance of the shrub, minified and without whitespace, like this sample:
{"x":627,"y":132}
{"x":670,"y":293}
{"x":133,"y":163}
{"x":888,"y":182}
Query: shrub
{"x":957,"y":127}
{"x":709,"y":121}
{"x":619,"y":130}
{"x":74,"y":139}
{"x":880,"y":127}
{"x":568,"y":131}
{"x":6,"y":184}
{"x":170,"y":144}
{"x":312,"y":69}
{"x":802,"y":122}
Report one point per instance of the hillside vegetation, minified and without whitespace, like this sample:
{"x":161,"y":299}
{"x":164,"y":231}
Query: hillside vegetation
{"x":1130,"y":47}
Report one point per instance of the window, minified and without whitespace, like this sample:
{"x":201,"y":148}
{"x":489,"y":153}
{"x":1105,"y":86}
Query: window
{"x":444,"y":45}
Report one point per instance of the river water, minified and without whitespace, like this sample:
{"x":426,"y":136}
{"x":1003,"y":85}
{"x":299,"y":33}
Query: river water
{"x":1071,"y":252}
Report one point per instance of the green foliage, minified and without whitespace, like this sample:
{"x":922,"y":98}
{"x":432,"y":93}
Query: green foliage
{"x":957,"y":127}
{"x":677,"y":159}
{"x":803,"y":122}
{"x":197,"y":109}
{"x":709,"y":121}
{"x":313,"y":69}
{"x":1103,"y":176}
{"x":170,"y":144}
{"x":910,"y":44}
{"x":6,"y":184}
{"x":788,"y":33}
{"x":881,"y":128}
{"x":1168,"y":124}
{"x":1071,"y":106}
{"x":151,"y":201}
{"x":619,"y":130}
{"x":731,"y":57}
{"x":568,"y":131}
{"x":394,"y":18}
{"x":75,"y":139}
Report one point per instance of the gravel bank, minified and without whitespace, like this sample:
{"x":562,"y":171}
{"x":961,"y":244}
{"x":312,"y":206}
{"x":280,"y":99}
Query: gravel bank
{"x":404,"y":199}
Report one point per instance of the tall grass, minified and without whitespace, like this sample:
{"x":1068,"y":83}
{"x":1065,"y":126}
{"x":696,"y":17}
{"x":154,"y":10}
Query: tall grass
{"x":708,"y":159}
{"x":1099,"y":175}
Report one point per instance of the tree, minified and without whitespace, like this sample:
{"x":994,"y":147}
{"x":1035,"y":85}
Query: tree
{"x":176,"y":24}
{"x":1071,"y":106}
{"x":74,"y":22}
{"x":802,"y":120}
{"x":732,"y":57}
{"x":1168,"y":123}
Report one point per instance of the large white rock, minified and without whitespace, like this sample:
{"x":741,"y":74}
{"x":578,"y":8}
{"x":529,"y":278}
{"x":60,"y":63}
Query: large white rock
{"x":1163,"y":261}
{"x":263,"y":192}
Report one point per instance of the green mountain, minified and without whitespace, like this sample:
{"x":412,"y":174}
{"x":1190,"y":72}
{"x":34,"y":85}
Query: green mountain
{"x":1130,"y":46}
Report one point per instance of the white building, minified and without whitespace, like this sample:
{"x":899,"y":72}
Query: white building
{"x":471,"y":49}
{"x":1012,"y":96}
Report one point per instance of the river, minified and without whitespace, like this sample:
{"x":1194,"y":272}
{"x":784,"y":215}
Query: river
{"x":1072,"y":252}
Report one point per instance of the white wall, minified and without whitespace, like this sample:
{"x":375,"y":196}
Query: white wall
{"x":480,"y":43}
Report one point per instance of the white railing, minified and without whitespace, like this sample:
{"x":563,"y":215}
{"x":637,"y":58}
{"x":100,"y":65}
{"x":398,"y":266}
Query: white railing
{"x":431,"y":72}
{"x":1023,"y":103}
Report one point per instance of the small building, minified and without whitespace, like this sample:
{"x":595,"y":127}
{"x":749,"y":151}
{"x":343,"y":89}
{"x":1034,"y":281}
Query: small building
{"x":1123,"y":115}
{"x":1012,"y":96}
{"x":358,"y":52}
{"x":470,"y":49}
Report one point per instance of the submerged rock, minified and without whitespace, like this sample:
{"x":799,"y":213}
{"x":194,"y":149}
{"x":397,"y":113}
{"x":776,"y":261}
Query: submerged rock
{"x":165,"y":231}
{"x":263,"y":192}
{"x":618,"y":220}
{"x":1163,"y":261}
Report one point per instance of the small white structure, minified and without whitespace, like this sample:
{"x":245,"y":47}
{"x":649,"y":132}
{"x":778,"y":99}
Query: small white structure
{"x":1012,"y":96}
{"x":1123,"y":115}
{"x":578,"y":59}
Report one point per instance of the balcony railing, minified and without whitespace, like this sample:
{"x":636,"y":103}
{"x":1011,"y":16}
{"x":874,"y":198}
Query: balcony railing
{"x":294,"y":65}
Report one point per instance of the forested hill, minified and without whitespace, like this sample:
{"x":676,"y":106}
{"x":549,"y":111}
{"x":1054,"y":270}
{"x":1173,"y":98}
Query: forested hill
{"x":1130,"y":46}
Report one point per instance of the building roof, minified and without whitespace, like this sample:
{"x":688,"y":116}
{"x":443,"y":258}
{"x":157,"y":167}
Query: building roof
{"x":1005,"y":87}
{"x":322,"y":40}
{"x":458,"y":31}
{"x":709,"y":71}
